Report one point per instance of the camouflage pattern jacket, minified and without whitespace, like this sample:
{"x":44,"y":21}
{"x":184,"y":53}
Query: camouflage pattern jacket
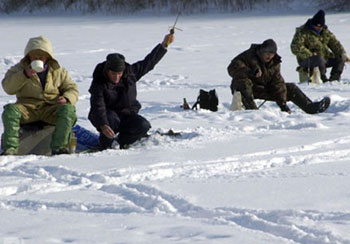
{"x":270,"y":86}
{"x":307,"y":41}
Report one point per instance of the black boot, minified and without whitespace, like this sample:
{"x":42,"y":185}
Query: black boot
{"x":248,"y":100}
{"x":249,"y":104}
{"x":324,"y":78}
{"x":337,"y":65}
{"x":321,"y":106}
{"x":302,"y":101}
{"x":334,"y":77}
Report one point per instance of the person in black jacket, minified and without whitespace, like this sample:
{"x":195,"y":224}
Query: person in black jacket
{"x":114,"y":107}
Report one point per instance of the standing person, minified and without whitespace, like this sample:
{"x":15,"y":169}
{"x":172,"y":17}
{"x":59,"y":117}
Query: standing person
{"x":314,"y":45}
{"x":44,"y":92}
{"x":256,"y":74}
{"x":114,"y":107}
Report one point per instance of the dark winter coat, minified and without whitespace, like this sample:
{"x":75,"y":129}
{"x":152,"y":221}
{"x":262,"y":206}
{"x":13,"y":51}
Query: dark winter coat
{"x":306,"y":42}
{"x":120,"y":98}
{"x":243,"y":69}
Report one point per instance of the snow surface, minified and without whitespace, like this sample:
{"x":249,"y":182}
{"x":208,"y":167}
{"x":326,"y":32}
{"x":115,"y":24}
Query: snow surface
{"x":232,"y":177}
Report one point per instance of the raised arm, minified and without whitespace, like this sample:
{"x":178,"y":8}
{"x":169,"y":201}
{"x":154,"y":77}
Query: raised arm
{"x":142,"y":67}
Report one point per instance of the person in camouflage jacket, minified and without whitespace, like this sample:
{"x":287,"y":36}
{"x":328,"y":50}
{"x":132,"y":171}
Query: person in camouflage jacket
{"x":256,"y":74}
{"x":314,"y":45}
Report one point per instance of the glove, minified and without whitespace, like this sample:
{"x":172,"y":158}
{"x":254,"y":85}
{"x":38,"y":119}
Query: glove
{"x":255,"y":72}
{"x":284,"y":108}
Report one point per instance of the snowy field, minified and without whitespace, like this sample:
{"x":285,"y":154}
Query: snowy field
{"x":252,"y":177}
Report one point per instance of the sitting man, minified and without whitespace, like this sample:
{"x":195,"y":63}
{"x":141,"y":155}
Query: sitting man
{"x":314,"y":45}
{"x":44,"y":93}
{"x":114,"y":107}
{"x":256,"y":74}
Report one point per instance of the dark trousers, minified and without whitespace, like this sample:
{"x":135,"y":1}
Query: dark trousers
{"x":261,"y":92}
{"x":337,"y":65}
{"x":130,"y":128}
{"x":295,"y":95}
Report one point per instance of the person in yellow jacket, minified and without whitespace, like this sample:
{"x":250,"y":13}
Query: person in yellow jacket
{"x":45,"y":92}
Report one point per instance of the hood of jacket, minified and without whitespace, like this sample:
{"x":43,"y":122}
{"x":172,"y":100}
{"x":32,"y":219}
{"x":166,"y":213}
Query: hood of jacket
{"x":43,"y":44}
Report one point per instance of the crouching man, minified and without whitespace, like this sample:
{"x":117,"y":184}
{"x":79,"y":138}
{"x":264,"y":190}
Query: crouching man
{"x":256,"y":74}
{"x":314,"y":45}
{"x":114,"y":107}
{"x":44,"y":92}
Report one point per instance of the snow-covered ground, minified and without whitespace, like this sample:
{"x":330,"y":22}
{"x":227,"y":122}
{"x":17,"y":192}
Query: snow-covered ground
{"x":232,"y":177}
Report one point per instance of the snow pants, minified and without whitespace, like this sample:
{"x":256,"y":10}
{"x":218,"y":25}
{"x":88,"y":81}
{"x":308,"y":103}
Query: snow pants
{"x":62,"y":116}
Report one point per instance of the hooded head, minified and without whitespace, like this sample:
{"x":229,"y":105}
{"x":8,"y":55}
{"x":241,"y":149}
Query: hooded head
{"x":319,"y":19}
{"x":268,"y":46}
{"x":115,"y":62}
{"x":40,"y":44}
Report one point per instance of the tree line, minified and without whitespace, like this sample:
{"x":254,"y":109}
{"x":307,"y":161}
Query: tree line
{"x":158,"y":6}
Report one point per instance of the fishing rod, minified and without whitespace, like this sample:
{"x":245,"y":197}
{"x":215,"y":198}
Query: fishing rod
{"x":262,"y":104}
{"x":172,"y":30}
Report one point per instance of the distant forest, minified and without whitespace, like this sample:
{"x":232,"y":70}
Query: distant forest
{"x":156,"y":6}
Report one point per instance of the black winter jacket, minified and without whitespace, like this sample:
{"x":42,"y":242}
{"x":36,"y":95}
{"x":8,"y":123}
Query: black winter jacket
{"x":120,"y":98}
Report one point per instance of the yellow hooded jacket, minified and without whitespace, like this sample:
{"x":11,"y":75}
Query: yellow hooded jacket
{"x":30,"y":90}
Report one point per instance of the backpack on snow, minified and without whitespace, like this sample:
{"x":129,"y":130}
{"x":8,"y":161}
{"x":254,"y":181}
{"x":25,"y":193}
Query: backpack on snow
{"x":207,"y":100}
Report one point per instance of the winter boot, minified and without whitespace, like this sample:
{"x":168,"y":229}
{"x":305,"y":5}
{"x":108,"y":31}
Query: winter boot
{"x":324,"y":78}
{"x":249,"y":103}
{"x":302,"y":101}
{"x":10,"y":151}
{"x":334,"y":77}
{"x":337,"y":68}
{"x":65,"y":120}
{"x":11,"y":120}
{"x":248,"y":100}
{"x":321,"y":106}
{"x":60,"y":151}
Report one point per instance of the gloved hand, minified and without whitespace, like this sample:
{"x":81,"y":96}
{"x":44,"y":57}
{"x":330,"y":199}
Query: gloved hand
{"x":256,"y":72}
{"x":284,"y":108}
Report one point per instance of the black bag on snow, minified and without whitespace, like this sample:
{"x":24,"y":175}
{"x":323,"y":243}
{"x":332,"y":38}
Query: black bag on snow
{"x":207,"y":100}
